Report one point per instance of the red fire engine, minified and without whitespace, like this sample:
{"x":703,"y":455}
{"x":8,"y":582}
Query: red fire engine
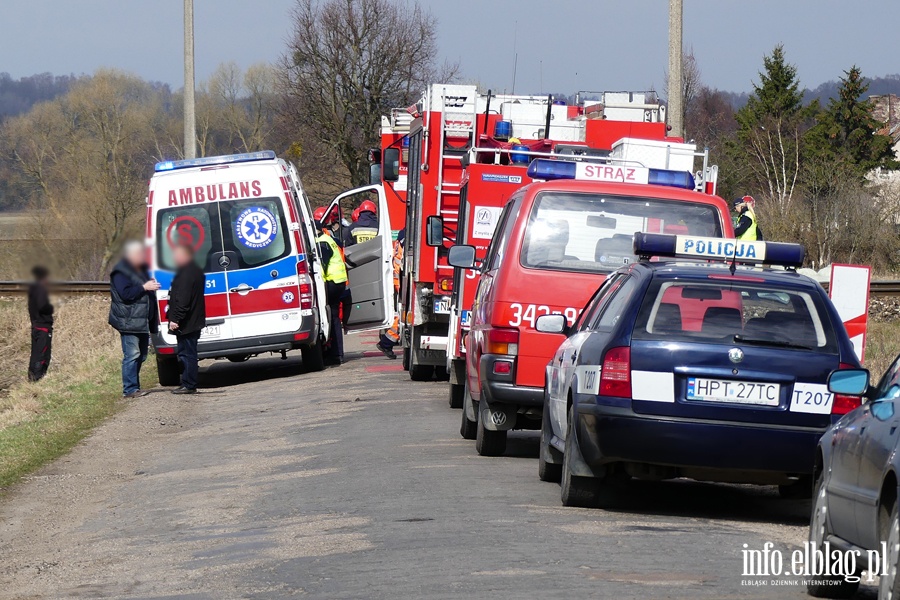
{"x":455,"y":158}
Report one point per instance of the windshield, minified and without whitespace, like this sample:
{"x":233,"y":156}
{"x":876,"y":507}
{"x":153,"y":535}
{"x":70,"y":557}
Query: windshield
{"x":593,"y":232}
{"x":730,"y":312}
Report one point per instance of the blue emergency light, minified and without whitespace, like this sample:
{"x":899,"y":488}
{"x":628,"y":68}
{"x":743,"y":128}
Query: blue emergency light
{"x":206,"y":161}
{"x":550,"y":170}
{"x":741,"y":251}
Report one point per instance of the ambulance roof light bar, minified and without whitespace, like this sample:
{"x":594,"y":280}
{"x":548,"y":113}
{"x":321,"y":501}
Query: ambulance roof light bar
{"x":565,"y":169}
{"x":206,"y":161}
{"x":647,"y":245}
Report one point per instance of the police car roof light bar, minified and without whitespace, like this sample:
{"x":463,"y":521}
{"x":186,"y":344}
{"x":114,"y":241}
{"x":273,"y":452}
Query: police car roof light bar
{"x":551,"y":170}
{"x":206,"y":161}
{"x":647,"y":245}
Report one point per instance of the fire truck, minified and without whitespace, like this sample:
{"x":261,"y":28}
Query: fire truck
{"x":450,"y":162}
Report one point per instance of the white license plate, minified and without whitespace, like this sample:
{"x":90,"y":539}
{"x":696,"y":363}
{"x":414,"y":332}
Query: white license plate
{"x":735,"y":392}
{"x":442,"y":305}
{"x":210,"y":331}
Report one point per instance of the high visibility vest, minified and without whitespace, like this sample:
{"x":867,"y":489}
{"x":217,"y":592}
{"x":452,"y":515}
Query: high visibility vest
{"x":751,"y":233}
{"x":397,"y":263}
{"x":335,"y":270}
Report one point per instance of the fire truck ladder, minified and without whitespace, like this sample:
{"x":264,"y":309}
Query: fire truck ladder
{"x":458,"y":121}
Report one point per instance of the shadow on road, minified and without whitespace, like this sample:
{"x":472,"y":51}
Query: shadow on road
{"x":222,"y":373}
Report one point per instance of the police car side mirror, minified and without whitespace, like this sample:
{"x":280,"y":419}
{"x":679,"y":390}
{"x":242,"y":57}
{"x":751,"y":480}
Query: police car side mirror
{"x":390,"y":164}
{"x":461,"y":256}
{"x":852,"y":382}
{"x":434,"y":231}
{"x":552,"y":324}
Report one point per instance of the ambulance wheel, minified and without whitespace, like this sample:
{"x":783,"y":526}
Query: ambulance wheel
{"x":487,"y":442}
{"x":167,"y":368}
{"x":456,"y":395}
{"x":313,"y":357}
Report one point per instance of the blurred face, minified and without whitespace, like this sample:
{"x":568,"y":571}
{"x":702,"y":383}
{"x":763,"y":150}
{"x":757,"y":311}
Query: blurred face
{"x":135,"y":256}
{"x":181,"y":256}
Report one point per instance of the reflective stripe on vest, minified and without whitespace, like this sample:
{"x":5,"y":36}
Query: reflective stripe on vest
{"x":750,"y":234}
{"x":335,"y":270}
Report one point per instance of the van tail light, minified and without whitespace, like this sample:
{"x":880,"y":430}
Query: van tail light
{"x":842,"y":404}
{"x":305,"y":284}
{"x":502,"y":341}
{"x":615,"y":374}
{"x":445,"y":285}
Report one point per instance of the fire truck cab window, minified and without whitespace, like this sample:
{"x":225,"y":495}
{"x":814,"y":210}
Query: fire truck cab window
{"x":593,"y":233}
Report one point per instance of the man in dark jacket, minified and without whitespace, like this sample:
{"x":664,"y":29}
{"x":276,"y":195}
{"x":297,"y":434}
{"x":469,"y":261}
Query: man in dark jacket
{"x":41,"y":313}
{"x":187,"y":314}
{"x":133,"y":314}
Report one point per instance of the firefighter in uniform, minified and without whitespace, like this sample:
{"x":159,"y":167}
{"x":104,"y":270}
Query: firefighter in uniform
{"x":390,"y":338}
{"x":365,"y":228}
{"x":746,"y":227}
{"x":335,"y":277}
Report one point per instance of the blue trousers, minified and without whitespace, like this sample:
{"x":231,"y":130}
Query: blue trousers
{"x":187,"y":356}
{"x":134,"y":353}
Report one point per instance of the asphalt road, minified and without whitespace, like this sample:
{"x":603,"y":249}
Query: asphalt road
{"x":354,"y":483}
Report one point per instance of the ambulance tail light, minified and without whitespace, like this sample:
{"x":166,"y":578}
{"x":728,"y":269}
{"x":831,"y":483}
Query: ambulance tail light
{"x":842,"y":404}
{"x":305,"y":285}
{"x":615,"y":374}
{"x":502,"y":341}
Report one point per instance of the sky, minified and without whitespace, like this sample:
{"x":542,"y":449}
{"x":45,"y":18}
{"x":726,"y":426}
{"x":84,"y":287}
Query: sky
{"x":562,"y":45}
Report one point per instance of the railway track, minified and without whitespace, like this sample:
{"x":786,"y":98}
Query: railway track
{"x":16,"y":288}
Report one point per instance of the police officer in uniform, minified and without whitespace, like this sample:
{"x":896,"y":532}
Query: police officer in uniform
{"x":335,"y":276}
{"x":746,"y":227}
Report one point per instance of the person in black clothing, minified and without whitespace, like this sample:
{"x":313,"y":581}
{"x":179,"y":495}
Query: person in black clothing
{"x":187,"y":314}
{"x":41,"y":313}
{"x":133,"y":314}
{"x":365,"y":228}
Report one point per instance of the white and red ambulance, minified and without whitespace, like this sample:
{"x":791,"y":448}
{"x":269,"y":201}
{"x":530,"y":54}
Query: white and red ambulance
{"x":251,"y":226}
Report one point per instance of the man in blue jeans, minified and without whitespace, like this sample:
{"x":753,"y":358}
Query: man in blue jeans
{"x":187,"y":313}
{"x":133,"y":313}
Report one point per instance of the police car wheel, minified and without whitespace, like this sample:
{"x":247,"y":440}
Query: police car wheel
{"x":575,"y":490}
{"x":822,"y":586}
{"x":456,"y":395}
{"x":889,"y":586}
{"x":167,"y":368}
{"x":487,"y":442}
{"x":313,"y":357}
{"x":547,"y":471}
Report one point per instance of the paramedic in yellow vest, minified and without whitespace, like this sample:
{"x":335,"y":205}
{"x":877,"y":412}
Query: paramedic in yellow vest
{"x":746,"y":227}
{"x":335,"y":276}
{"x":390,"y":338}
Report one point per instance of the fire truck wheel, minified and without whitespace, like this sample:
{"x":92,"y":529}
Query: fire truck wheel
{"x":313,"y":357}
{"x":167,"y":367}
{"x":441,"y":374}
{"x":456,"y":395}
{"x":406,"y":354}
{"x":421,"y":372}
{"x":489,"y":443}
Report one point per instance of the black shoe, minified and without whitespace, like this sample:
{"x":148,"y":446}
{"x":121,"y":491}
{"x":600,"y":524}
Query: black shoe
{"x":184,"y":390}
{"x":389,"y":352}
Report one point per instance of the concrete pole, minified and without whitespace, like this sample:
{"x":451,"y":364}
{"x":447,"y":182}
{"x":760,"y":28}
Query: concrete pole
{"x":190,"y":128}
{"x":675,"y":91}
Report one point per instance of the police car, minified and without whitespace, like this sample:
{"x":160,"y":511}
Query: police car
{"x":711,"y":369}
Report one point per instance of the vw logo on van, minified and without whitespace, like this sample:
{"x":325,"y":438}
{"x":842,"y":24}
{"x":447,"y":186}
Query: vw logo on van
{"x":735,"y":355}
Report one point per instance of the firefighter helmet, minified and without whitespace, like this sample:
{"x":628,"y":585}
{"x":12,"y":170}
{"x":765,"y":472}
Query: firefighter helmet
{"x":367,"y":206}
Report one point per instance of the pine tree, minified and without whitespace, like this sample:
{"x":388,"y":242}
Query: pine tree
{"x":777,"y":95}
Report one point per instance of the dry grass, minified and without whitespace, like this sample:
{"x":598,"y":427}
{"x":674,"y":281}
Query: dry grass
{"x":882,"y":346}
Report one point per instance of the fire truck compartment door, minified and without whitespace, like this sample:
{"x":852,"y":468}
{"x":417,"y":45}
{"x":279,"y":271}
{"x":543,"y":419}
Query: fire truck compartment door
{"x":370,"y":265}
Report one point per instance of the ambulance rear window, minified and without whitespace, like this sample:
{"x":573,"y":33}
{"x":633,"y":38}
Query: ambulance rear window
{"x":593,"y":233}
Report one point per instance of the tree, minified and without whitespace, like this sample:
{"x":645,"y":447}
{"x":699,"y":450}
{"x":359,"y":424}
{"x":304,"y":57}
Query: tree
{"x":349,"y":62}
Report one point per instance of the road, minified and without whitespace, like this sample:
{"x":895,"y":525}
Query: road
{"x":354,"y":483}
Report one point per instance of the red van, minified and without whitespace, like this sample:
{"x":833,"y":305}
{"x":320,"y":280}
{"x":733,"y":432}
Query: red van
{"x":555,"y":242}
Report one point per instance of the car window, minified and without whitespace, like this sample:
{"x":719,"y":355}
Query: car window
{"x":715,"y":312}
{"x":616,"y":305}
{"x":197,"y":225}
{"x":594,"y":232}
{"x":597,"y":301}
{"x":889,"y":386}
{"x":500,"y":241}
{"x":257,"y":231}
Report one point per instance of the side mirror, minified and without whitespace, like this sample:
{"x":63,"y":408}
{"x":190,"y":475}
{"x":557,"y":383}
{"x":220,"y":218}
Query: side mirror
{"x":462,"y":257}
{"x":552,"y":324}
{"x":852,"y":382}
{"x":390,"y":164}
{"x":434,"y":231}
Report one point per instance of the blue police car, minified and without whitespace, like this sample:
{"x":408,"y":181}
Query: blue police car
{"x":711,"y":369}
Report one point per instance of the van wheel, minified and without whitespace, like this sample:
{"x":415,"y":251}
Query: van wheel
{"x":467,"y":428}
{"x":456,"y":395}
{"x":575,"y":490}
{"x":487,"y":442}
{"x":547,"y":471}
{"x":167,"y":368}
{"x":834,"y":586}
{"x":313,"y":357}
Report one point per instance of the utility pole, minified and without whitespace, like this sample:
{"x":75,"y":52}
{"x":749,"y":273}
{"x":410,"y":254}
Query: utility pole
{"x":676,"y":91}
{"x":190,"y":128}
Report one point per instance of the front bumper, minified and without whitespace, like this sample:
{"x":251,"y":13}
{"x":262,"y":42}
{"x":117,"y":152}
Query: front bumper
{"x":609,"y":434}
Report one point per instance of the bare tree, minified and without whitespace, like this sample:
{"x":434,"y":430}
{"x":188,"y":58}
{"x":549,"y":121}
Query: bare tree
{"x":348,"y":62}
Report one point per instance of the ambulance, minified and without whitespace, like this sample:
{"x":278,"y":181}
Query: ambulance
{"x":250,"y":224}
{"x":555,"y":241}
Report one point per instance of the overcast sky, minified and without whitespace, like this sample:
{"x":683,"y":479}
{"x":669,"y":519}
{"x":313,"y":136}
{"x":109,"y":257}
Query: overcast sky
{"x":584,"y":45}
